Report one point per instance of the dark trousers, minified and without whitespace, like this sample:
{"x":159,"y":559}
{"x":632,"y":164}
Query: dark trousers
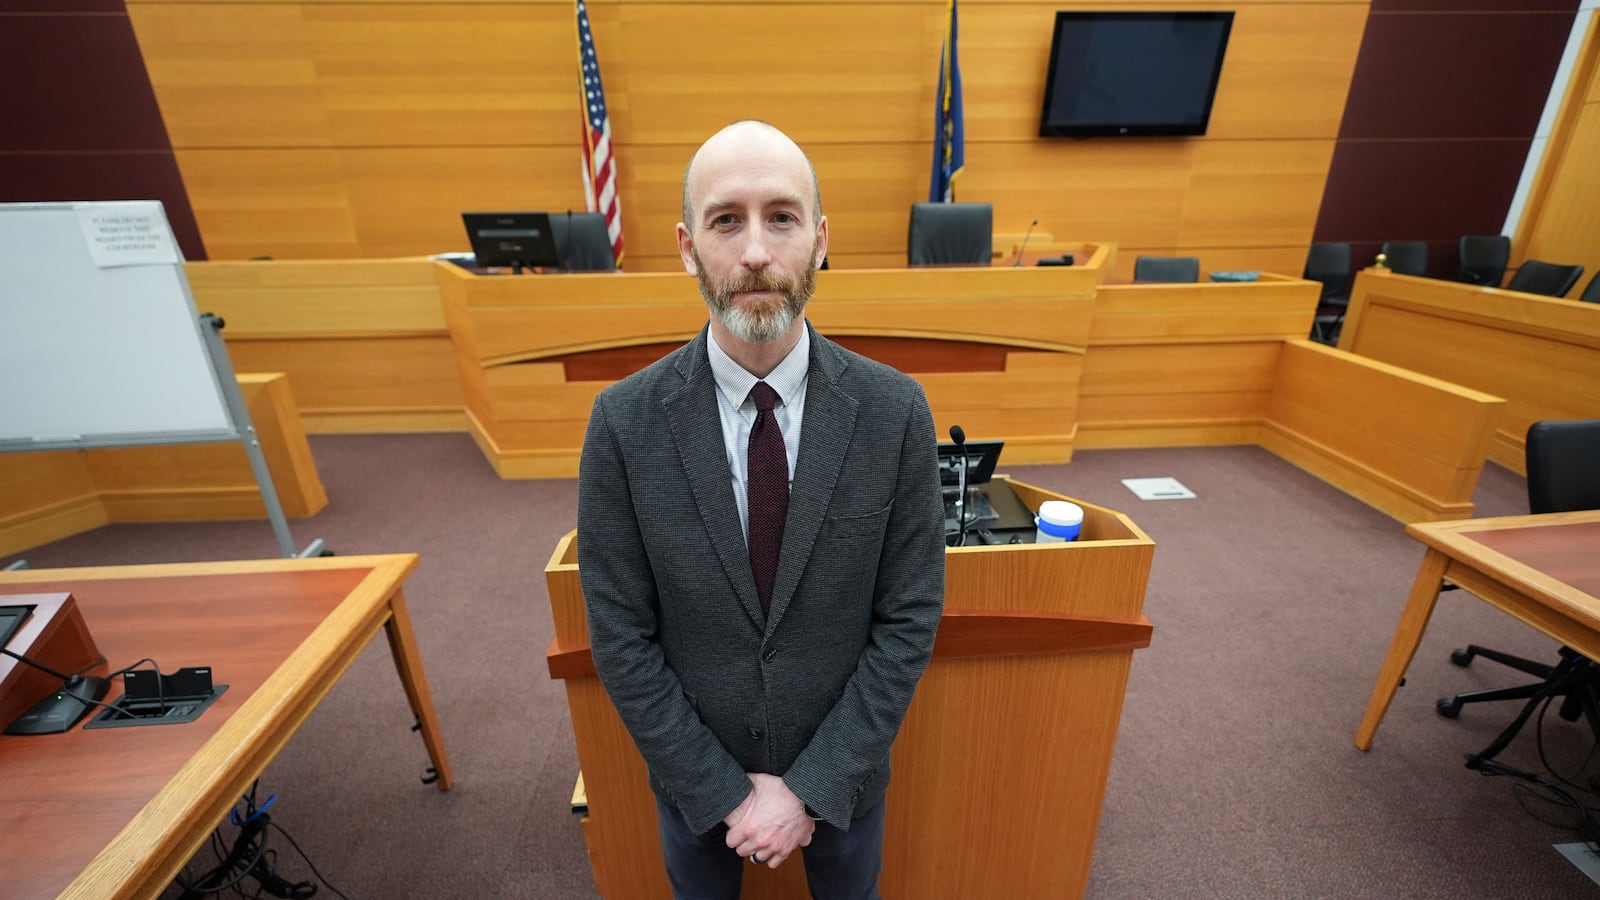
{"x":840,"y":865}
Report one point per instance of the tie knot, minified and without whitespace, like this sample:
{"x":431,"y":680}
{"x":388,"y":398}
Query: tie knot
{"x":764,"y":396}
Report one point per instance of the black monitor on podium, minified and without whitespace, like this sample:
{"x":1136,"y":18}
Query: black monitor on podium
{"x":520,"y":240}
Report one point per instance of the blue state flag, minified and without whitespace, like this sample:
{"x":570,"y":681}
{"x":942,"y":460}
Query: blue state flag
{"x":949,"y":129}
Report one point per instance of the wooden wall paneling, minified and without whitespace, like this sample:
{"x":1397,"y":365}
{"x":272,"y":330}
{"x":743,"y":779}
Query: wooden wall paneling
{"x":366,"y":382}
{"x":1273,"y":308}
{"x":362,"y":74}
{"x":1541,"y":354}
{"x":1409,"y":445}
{"x":859,"y":73}
{"x":1287,"y":69}
{"x":1561,"y":222}
{"x":364,"y":341}
{"x":1128,"y":192}
{"x":1032,"y":405}
{"x":1175,"y":365}
{"x":411,"y":149}
{"x":288,"y":203}
{"x":408,"y":201}
{"x":349,"y":296}
{"x":528,"y":411}
{"x":482,"y":75}
{"x":1174,"y":395}
{"x":45,"y":497}
{"x":241,"y":76}
{"x":1247,"y":193}
{"x":214,"y":481}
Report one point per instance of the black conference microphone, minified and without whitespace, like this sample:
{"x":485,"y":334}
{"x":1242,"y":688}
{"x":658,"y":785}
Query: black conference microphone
{"x":1025,"y":236}
{"x":64,"y":707}
{"x":959,"y":435}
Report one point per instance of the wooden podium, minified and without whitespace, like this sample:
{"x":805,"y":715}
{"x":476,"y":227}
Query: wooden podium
{"x":1001,"y":767}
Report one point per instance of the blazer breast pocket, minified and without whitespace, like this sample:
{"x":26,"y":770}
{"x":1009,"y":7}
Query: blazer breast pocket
{"x":853,"y":541}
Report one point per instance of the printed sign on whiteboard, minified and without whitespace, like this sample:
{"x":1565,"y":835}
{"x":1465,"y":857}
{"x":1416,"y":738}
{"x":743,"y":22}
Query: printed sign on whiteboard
{"x":132,"y":233}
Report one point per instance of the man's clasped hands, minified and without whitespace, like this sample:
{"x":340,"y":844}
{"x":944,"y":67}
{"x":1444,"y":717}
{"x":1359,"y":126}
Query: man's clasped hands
{"x":769,"y":823}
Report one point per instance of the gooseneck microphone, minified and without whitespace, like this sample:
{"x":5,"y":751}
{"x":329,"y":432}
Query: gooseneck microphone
{"x":63,"y":707}
{"x":959,"y":435}
{"x":1024,"y":247}
{"x":566,"y":249}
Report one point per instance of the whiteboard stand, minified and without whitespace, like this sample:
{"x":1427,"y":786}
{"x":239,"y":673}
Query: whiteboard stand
{"x":211,"y":327}
{"x":101,"y":344}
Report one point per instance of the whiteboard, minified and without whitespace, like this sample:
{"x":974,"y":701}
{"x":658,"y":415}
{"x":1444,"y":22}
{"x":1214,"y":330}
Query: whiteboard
{"x":100,"y":342}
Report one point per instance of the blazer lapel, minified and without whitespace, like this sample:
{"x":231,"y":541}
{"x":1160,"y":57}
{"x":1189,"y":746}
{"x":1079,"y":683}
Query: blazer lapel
{"x":825,"y":431}
{"x":697,"y":431}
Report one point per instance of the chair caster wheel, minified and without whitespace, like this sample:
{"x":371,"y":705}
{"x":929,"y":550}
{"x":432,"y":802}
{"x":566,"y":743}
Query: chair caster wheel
{"x":1462,"y":657}
{"x":1448,"y":707}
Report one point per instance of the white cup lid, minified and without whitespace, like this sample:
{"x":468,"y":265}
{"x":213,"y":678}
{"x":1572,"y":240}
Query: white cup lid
{"x":1061,"y":512}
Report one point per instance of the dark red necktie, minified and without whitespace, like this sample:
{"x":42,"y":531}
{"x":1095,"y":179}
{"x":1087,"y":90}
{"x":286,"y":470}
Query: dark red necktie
{"x":768,"y":491}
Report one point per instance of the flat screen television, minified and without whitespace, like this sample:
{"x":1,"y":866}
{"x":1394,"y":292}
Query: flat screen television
{"x":516,"y":239}
{"x":1132,"y":74}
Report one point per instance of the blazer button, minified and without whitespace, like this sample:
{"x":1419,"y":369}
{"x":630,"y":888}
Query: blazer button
{"x":772,"y":654}
{"x":755,"y":734}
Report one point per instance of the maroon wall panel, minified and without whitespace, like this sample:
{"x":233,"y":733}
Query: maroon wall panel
{"x":1453,"y":76}
{"x":81,"y":119}
{"x":1443,"y":105}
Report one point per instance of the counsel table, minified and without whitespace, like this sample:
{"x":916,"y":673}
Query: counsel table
{"x":1543,"y":570}
{"x":117,"y":812}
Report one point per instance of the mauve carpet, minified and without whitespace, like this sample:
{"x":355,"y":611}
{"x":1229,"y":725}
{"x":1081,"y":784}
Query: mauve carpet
{"x":1273,"y":595}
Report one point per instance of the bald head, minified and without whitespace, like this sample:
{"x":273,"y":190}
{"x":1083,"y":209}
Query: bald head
{"x":745,"y":145}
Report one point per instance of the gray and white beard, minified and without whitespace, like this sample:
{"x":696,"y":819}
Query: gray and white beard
{"x":753,"y":325}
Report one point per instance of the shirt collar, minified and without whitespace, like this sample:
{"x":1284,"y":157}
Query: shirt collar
{"x":735,"y":382}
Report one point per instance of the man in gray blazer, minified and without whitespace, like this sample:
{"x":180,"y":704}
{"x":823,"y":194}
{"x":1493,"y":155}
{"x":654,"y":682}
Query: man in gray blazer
{"x":760,"y":535}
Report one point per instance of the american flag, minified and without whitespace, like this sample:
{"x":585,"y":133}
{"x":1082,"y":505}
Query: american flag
{"x":599,"y":164}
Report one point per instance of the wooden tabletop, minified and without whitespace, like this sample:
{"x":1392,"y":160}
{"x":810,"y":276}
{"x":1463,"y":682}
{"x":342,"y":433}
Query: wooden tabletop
{"x":1553,"y":558}
{"x":114,"y":812}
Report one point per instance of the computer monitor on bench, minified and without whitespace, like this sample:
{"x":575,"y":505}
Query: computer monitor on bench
{"x":520,"y":240}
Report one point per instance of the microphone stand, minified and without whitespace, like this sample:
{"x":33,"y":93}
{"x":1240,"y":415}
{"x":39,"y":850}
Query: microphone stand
{"x":1024,"y":247}
{"x":959,"y":435}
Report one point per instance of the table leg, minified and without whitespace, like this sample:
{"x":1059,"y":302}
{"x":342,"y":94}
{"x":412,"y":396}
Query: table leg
{"x":1407,"y":635}
{"x":403,"y":646}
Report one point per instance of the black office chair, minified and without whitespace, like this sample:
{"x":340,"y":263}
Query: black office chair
{"x":1406,"y":257}
{"x":1563,"y":461}
{"x":1591,"y":294}
{"x":950,"y":234}
{"x":1484,"y":258}
{"x":582,"y":242}
{"x":1546,"y":279}
{"x":1175,"y":269}
{"x":1329,"y":263}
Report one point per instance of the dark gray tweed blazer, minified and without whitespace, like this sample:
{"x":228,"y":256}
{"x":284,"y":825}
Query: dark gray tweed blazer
{"x":709,"y":687}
